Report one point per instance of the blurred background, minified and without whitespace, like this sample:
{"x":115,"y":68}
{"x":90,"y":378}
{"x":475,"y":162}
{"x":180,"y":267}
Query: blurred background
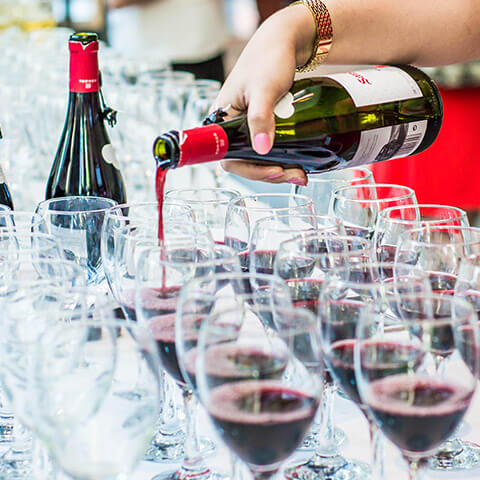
{"x":163,"y":62}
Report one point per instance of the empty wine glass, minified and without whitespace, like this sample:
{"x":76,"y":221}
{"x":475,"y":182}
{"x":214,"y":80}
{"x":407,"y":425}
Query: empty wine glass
{"x":89,"y":398}
{"x":358,"y":205}
{"x":417,"y":407}
{"x":20,"y":222}
{"x":76,"y":222}
{"x":209,"y":206}
{"x":321,"y":185}
{"x":261,"y":414}
{"x":244,"y":211}
{"x":392,"y":222}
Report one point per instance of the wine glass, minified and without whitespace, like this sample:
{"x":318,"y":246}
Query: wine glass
{"x":437,"y":250}
{"x":20,"y":222}
{"x":244,"y":211}
{"x":261,"y":414}
{"x":321,"y":185}
{"x":89,"y":398}
{"x":394,"y":221}
{"x":24,"y":301}
{"x":269,"y":232}
{"x":209,"y":206}
{"x":161,"y":272}
{"x":144,"y":214}
{"x":28,"y":246}
{"x":417,"y":407}
{"x":348,"y":290}
{"x":77,"y":224}
{"x":358,"y":206}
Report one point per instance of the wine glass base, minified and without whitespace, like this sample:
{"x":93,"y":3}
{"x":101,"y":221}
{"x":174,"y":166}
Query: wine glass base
{"x":314,"y":442}
{"x":466,"y":457}
{"x":162,"y":449}
{"x":333,"y":468}
{"x":189,"y":475}
{"x":166,"y":446}
{"x":16,"y":463}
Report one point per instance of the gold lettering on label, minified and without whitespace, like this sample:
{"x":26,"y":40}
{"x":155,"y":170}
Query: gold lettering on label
{"x":217,"y":144}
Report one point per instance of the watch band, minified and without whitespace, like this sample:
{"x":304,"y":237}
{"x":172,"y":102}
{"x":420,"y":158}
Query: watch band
{"x":324,"y":34}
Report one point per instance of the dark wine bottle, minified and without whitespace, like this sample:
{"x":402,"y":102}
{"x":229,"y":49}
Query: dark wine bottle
{"x":325,"y":123}
{"x":85,"y":163}
{"x":5,"y":197}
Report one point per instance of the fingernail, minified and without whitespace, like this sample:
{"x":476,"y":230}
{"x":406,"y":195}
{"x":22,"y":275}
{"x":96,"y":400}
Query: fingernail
{"x":297,"y":181}
{"x":275,"y":175}
{"x":261,"y":143}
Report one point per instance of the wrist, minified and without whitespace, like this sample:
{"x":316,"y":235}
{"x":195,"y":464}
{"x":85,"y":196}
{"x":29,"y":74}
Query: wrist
{"x":298,"y":21}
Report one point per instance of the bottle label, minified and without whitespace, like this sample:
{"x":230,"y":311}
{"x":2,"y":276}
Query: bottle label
{"x":380,"y":84}
{"x":204,"y":144}
{"x":108,"y":154}
{"x":389,"y":142}
{"x":84,"y":74}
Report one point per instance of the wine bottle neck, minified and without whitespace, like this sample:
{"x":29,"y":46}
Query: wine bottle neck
{"x":197,"y":145}
{"x":84,"y":72}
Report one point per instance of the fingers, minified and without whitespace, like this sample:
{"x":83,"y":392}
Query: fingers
{"x":261,"y":121}
{"x":270,"y":174}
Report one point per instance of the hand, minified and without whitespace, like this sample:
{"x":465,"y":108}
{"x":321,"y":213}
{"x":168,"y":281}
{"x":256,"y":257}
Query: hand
{"x":261,"y":77}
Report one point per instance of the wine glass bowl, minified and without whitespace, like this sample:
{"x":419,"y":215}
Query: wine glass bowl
{"x":244,"y":211}
{"x":77,"y":224}
{"x":321,"y":185}
{"x":392,"y":222}
{"x":358,"y":206}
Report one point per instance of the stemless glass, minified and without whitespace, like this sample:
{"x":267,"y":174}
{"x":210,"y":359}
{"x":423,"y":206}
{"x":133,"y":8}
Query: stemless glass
{"x":269,"y":232}
{"x":358,"y":205}
{"x":415,"y":406}
{"x":392,"y":222}
{"x":77,"y":224}
{"x":243,"y":212}
{"x":209,"y":206}
{"x":321,"y":186}
{"x":90,"y":399}
{"x":261,"y":413}
{"x":437,"y":250}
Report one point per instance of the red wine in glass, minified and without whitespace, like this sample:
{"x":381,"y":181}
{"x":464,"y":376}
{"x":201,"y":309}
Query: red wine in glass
{"x":391,"y":358}
{"x":431,"y":415}
{"x":261,"y":421}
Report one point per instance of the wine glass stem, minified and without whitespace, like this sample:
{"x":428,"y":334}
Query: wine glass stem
{"x":416,"y":470}
{"x":376,"y":442}
{"x":327,"y":428}
{"x":192,"y":462}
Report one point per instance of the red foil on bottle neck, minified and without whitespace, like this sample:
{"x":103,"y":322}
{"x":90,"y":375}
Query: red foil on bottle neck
{"x":203,"y":144}
{"x":84,"y":73}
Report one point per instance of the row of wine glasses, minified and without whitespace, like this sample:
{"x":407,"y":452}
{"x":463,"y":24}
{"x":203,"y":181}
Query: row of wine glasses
{"x":269,"y":324}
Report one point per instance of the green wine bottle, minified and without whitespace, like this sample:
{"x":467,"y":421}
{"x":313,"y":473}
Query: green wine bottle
{"x":325,"y":123}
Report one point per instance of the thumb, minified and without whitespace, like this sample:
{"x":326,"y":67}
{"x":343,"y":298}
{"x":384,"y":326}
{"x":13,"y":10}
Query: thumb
{"x":261,"y":120}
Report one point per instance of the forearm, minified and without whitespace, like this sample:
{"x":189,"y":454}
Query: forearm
{"x":426,"y":32}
